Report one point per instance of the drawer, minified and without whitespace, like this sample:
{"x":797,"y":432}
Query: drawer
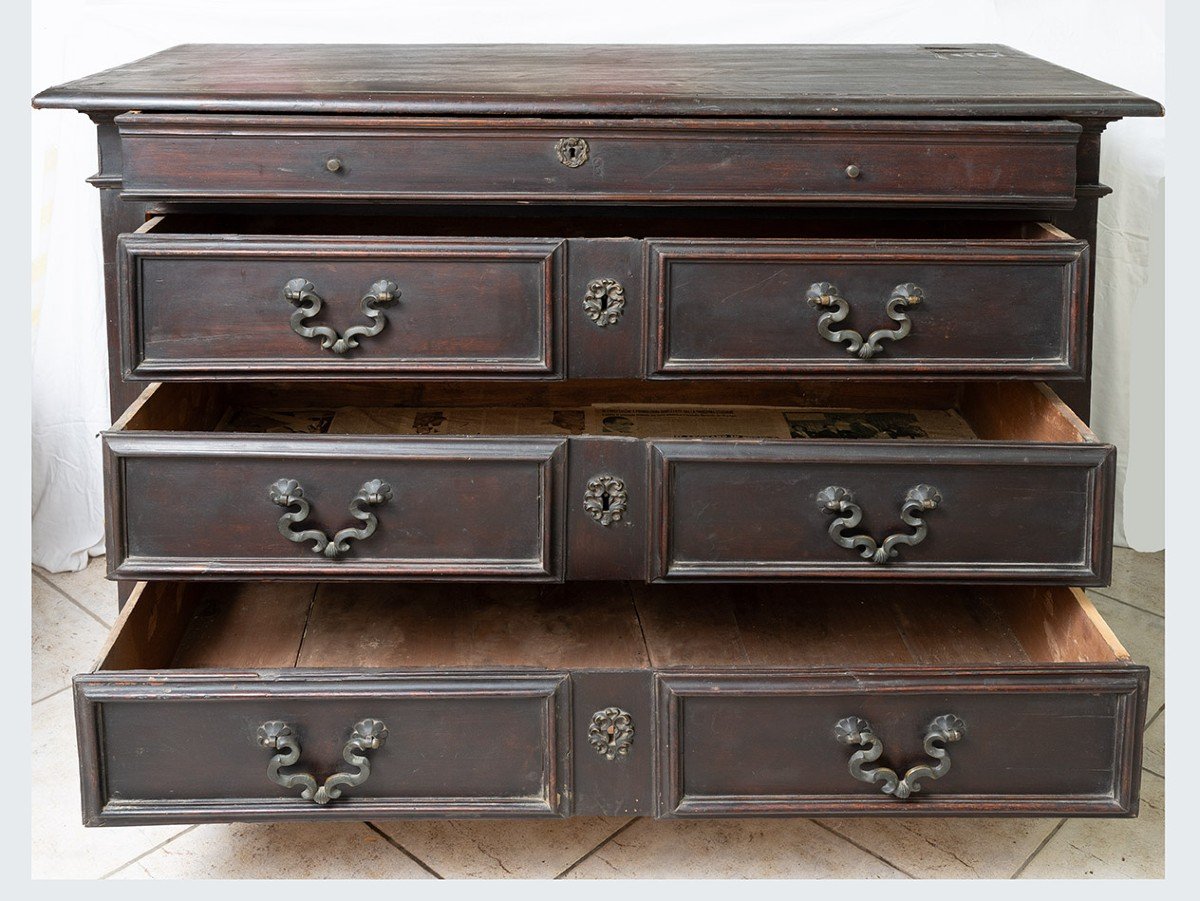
{"x":997,"y":163}
{"x":199,"y":488}
{"x":535,"y":295}
{"x":816,"y":481}
{"x":907,"y":702}
{"x":253,"y":305}
{"x":200,"y":698}
{"x":280,"y":701}
{"x":1011,"y":304}
{"x":1006,"y":485}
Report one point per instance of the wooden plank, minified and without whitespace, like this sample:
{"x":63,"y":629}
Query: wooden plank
{"x":1021,"y":412}
{"x":587,"y":625}
{"x":246,"y":625}
{"x":149,"y":627}
{"x":954,"y":629}
{"x":166,"y":406}
{"x":532,"y":79}
{"x":819,"y":625}
{"x":1061,"y":625}
{"x":689,"y":625}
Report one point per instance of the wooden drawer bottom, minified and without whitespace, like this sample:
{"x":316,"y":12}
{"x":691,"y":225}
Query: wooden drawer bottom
{"x":288,"y":701}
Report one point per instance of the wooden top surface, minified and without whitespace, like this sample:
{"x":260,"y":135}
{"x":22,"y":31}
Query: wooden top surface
{"x":825,"y":80}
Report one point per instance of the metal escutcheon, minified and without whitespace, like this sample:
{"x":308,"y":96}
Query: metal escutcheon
{"x":605,"y":499}
{"x":572,"y":152}
{"x":611,"y":733}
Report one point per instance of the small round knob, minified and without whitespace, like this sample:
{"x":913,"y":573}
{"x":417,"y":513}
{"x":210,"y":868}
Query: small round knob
{"x":853,"y":171}
{"x":333,"y":164}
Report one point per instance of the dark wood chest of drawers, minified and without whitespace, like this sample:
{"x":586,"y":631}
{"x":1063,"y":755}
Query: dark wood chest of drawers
{"x":704,"y":440}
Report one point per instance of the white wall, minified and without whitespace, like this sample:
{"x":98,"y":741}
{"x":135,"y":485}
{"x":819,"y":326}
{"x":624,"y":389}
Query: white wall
{"x":1121,"y":42}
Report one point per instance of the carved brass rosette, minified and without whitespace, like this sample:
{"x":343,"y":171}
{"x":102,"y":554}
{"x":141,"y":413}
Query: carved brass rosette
{"x":604,"y":302}
{"x":854,"y":730}
{"x":611,"y":733}
{"x":301,"y":293}
{"x":367,"y":735}
{"x":826,"y":296}
{"x":837,"y":500}
{"x":605,"y":499}
{"x":572,"y":152}
{"x":290,"y":493}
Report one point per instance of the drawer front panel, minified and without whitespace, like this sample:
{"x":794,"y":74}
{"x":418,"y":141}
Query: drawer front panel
{"x":1009,"y":513}
{"x":183,"y":748}
{"x":465,"y":508}
{"x":1014,"y":308}
{"x":1060,"y":739}
{"x":202,"y":307}
{"x":262,"y":157}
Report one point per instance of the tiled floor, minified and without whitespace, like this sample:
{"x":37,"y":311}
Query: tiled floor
{"x":72,"y":614}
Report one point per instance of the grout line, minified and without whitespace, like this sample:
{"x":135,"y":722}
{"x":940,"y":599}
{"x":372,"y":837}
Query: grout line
{"x":148,"y":851}
{"x":56,"y":691}
{"x":403,"y":850}
{"x":1153,"y":773}
{"x":1157,"y":714}
{"x":107,"y":626}
{"x":1038,"y":849}
{"x":597,"y":848}
{"x":1127,"y":603}
{"x":863,"y":848}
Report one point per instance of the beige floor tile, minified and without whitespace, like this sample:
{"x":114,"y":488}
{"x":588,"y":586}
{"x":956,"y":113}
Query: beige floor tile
{"x":1138,"y":579}
{"x":65,"y":640}
{"x":1108,"y":849}
{"x":1154,"y":748}
{"x":89,"y":587}
{"x":1142,"y":634}
{"x":932,"y":848}
{"x":500,"y":849}
{"x":61,"y":847}
{"x":331,"y":850}
{"x":730,"y":849}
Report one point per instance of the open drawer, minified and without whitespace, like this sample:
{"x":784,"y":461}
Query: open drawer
{"x":975,"y":483}
{"x":540,"y":295}
{"x":258,"y":701}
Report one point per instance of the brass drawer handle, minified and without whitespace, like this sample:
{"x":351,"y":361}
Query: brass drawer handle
{"x":290,"y":493}
{"x":368,"y":735}
{"x":605,"y":499}
{"x":944,"y":730}
{"x":824,"y":296}
{"x":837,"y":500}
{"x":302,"y":295}
{"x":611,"y":733}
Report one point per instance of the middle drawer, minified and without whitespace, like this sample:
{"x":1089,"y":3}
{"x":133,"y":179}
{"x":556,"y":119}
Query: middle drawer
{"x":542,"y":297}
{"x":982,"y":482}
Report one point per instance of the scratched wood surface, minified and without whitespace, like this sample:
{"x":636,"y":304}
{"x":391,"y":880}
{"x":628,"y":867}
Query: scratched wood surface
{"x":526,"y":79}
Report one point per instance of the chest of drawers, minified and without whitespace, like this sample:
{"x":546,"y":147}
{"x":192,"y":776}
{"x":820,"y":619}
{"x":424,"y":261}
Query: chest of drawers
{"x":708,"y":440}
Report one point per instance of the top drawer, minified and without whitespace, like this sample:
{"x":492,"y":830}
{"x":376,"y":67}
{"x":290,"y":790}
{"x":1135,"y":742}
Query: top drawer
{"x":1011,"y":164}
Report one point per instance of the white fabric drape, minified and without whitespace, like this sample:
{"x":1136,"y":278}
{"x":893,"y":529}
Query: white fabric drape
{"x":1120,"y":41}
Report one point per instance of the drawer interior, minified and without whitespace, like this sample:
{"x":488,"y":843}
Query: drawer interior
{"x":600,"y":625}
{"x":609,"y":222}
{"x":809,"y":411}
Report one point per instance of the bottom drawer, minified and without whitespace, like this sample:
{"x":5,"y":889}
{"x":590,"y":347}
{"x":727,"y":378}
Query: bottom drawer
{"x":249,"y":701}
